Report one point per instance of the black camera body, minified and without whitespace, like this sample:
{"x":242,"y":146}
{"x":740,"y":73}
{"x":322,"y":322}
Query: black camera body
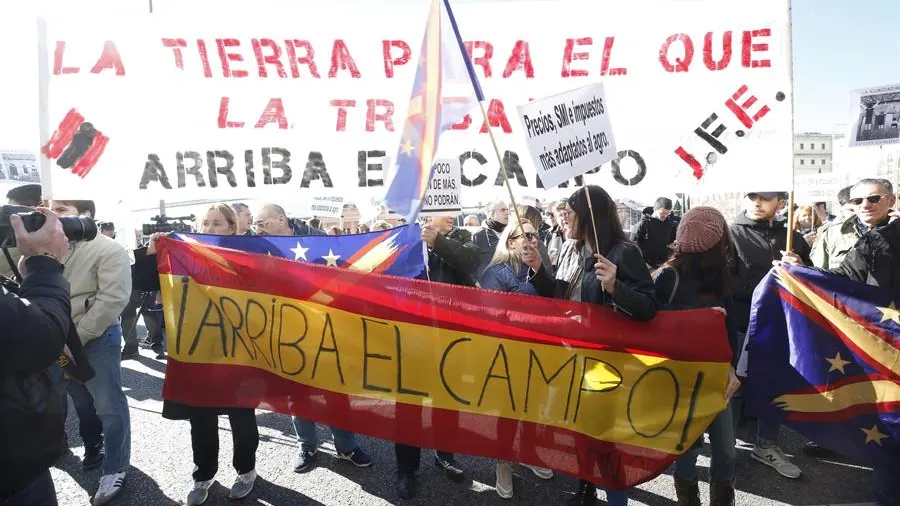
{"x":76,"y":229}
{"x":164,"y":225}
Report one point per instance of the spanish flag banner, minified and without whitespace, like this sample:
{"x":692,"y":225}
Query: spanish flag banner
{"x":574,"y":387}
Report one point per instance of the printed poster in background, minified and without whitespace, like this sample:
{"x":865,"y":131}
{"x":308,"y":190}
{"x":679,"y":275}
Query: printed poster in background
{"x":327,"y":206}
{"x":875,"y":116}
{"x":250,"y":105}
{"x":812,"y":188}
{"x":18,"y":168}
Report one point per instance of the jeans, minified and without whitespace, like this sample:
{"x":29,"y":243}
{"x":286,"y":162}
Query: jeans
{"x":105,"y":355}
{"x":344,"y":441}
{"x":767,"y":433}
{"x":408,"y":457}
{"x":885,"y":487}
{"x":205,"y":442}
{"x":90,"y":428}
{"x":40,"y":492}
{"x":721,"y":441}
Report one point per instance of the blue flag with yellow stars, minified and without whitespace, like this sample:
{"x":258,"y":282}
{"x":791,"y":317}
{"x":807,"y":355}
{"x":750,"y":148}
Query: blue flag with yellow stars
{"x":395,"y":252}
{"x":825,"y":360}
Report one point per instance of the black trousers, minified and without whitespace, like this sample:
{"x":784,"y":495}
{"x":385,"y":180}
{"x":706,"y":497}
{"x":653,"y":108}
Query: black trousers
{"x":205,"y":441}
{"x":140,"y":304}
{"x":408,"y":457}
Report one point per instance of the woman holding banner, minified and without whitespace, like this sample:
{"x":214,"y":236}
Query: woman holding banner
{"x":601,"y":266}
{"x":695,"y":276}
{"x":516,"y":255}
{"x":220,"y":219}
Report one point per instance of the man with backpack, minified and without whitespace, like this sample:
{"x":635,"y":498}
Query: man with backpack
{"x":37,"y":325}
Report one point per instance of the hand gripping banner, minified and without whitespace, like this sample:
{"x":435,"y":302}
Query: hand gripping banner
{"x":569,"y":386}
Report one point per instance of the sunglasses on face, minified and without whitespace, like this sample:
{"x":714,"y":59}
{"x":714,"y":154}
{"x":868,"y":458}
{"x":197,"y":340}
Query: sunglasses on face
{"x":527,"y":235}
{"x":872,"y":199}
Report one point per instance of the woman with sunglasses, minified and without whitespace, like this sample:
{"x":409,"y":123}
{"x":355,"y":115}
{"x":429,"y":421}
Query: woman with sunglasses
{"x":220,"y":219}
{"x":516,"y":255}
{"x":600,"y":266}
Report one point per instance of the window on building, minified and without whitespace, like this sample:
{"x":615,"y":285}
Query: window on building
{"x":823,"y":146}
{"x":802,"y":162}
{"x":812,"y":162}
{"x":823,"y":161}
{"x":801,"y":145}
{"x":812,"y":146}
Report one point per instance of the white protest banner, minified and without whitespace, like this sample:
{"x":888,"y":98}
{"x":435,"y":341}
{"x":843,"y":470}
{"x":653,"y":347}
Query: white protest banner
{"x":876,"y":116}
{"x":812,"y":188}
{"x":275,"y":101}
{"x":568,"y":134}
{"x":327,"y":206}
{"x":442,"y":195}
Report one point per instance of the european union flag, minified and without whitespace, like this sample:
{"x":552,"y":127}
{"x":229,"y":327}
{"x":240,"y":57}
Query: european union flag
{"x":825,"y":360}
{"x":394,"y":252}
{"x":433,"y":108}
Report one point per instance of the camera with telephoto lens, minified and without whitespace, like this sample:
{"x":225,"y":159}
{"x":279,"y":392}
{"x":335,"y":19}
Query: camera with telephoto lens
{"x":76,"y":229}
{"x":165,"y":224}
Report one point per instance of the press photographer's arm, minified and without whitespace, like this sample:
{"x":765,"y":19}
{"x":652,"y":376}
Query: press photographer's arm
{"x":36,"y":322}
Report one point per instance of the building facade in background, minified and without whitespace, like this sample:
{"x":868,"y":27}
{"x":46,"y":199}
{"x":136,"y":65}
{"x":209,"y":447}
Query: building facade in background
{"x":813,"y":153}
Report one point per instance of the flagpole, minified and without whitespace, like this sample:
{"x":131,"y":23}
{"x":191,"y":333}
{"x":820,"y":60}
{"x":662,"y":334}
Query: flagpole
{"x":479,"y":95}
{"x":789,"y":242}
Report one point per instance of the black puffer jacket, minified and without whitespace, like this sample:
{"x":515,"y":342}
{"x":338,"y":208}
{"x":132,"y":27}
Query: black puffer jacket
{"x":755,"y":245}
{"x":454,"y":258}
{"x":875,"y":260}
{"x":654,"y":236}
{"x":635,"y":294}
{"x":32,"y":420}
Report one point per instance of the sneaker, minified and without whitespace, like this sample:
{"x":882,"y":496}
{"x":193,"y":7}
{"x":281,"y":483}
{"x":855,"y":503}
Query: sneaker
{"x":504,"y":480}
{"x":454,"y":473}
{"x":93,"y":457}
{"x":303,"y":460}
{"x":540,"y":472}
{"x":775,"y":458}
{"x":128,"y":354}
{"x":357,"y":457}
{"x":199,"y":493}
{"x":243,"y":485}
{"x":110,"y":486}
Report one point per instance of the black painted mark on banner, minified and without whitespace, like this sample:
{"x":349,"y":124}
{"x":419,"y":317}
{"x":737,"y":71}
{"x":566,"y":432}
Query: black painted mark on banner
{"x":204,"y":323}
{"x":584,"y":372}
{"x":690,"y":415}
{"x":532,"y":359}
{"x":634,"y":389}
{"x":295,"y":344}
{"x":334,"y":349}
{"x":366,"y":355}
{"x":444,"y":378}
{"x":400,"y":387}
{"x":617,"y":168}
{"x":235,"y":327}
{"x":500,"y":351}
{"x":184,"y":295}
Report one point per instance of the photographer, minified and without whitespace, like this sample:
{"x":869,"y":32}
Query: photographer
{"x":37,"y":322}
{"x":99,"y":272}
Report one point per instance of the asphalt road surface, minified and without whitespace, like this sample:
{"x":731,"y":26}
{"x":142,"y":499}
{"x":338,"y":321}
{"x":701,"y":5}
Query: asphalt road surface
{"x":161,"y":468}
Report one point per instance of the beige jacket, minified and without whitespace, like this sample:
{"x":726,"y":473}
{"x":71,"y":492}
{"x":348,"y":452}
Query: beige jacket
{"x":99,"y":273}
{"x":834,"y":243}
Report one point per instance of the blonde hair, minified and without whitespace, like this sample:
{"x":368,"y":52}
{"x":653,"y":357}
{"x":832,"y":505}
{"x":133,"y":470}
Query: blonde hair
{"x":380,"y":225}
{"x":227,"y":212}
{"x":815,"y":220}
{"x":503,"y":255}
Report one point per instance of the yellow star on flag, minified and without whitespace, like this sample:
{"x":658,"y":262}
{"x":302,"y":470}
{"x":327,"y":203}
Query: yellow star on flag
{"x":837,"y":363}
{"x":407,"y":147}
{"x":890,"y":313}
{"x":874,"y":435}
{"x":331,"y":259}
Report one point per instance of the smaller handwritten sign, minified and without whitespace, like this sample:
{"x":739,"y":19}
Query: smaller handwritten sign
{"x":327,"y":206}
{"x":442,"y":195}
